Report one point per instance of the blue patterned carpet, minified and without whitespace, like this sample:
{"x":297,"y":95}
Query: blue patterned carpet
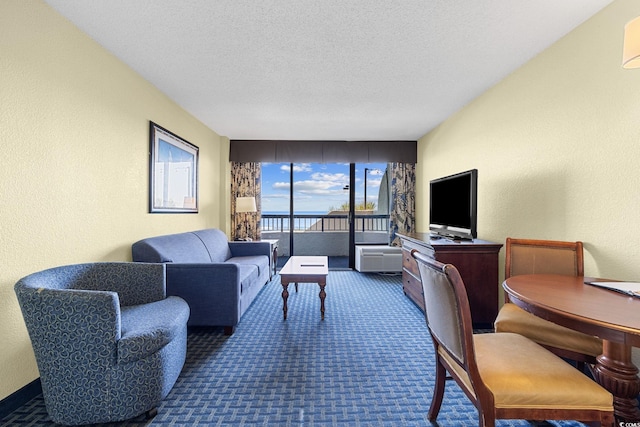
{"x":369,"y":363}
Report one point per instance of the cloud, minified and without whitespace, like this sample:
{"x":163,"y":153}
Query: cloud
{"x":338,"y":178}
{"x":317,"y":187}
{"x":321,"y":183}
{"x":298,"y":167}
{"x":275,"y":196}
{"x":330,"y":185}
{"x":371,"y":182}
{"x":280,"y":186}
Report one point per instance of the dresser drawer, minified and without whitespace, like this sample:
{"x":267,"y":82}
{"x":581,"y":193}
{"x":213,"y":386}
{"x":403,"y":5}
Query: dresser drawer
{"x":409,"y":264}
{"x":413,"y":288}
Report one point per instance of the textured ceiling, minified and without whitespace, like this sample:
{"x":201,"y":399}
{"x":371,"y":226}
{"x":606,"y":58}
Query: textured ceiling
{"x":325,"y":69}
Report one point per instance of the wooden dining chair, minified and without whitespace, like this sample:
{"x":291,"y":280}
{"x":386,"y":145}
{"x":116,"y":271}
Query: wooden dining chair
{"x":526,"y":256}
{"x":505,"y":375}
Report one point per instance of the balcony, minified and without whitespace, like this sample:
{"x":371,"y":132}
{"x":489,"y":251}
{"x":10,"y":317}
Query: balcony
{"x":325,"y":234}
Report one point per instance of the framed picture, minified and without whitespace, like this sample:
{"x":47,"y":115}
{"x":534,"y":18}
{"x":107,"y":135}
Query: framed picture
{"x":173,"y":182}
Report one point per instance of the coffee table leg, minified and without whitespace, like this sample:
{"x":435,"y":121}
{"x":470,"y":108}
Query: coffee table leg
{"x":285,"y":295}
{"x":323,"y":295}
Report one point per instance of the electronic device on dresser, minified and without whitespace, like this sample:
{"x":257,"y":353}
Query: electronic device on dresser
{"x":453,"y":205}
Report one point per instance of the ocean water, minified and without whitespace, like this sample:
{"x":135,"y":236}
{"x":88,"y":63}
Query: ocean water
{"x":281,"y":223}
{"x":270,"y":224}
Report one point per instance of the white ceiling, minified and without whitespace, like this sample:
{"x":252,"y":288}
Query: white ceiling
{"x":325,"y":69}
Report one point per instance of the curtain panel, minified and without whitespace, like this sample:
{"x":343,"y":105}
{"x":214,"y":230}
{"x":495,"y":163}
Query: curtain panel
{"x":402,"y":212}
{"x":245,"y":182}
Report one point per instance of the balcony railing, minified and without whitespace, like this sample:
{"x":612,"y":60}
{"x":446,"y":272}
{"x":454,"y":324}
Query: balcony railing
{"x":333,"y":222}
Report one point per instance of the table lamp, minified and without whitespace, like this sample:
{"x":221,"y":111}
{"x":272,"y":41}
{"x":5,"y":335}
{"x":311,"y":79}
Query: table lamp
{"x":246,"y":205}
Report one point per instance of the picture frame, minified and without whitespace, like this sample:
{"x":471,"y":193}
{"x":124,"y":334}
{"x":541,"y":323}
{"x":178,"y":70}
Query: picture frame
{"x":173,"y":172}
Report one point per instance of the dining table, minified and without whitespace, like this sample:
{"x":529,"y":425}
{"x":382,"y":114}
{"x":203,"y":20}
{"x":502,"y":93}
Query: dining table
{"x":573,"y":302}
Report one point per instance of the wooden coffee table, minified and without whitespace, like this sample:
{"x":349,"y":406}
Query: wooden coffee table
{"x":304,"y":269}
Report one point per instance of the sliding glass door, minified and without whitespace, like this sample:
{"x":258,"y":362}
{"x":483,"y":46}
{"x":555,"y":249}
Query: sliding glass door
{"x":324,"y":209}
{"x":371,"y":220}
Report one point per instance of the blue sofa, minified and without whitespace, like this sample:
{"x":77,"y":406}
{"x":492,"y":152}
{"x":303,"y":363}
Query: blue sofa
{"x":108,"y":342}
{"x":219,"y":279}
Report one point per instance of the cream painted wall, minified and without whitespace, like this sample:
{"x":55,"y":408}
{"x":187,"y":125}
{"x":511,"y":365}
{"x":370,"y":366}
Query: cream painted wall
{"x":557,"y":148}
{"x":74,"y":165}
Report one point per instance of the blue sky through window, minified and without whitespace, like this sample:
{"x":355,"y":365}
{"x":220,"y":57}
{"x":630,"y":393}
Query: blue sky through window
{"x":318,"y":187}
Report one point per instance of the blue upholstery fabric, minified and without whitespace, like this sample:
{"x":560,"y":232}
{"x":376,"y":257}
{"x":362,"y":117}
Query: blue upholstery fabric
{"x":218,"y":279}
{"x":184,"y":247}
{"x":108,"y":343}
{"x":215,"y":241}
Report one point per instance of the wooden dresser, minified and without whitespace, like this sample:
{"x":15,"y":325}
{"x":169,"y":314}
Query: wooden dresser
{"x":477,"y":262}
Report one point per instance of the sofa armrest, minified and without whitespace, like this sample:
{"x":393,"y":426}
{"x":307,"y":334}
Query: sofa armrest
{"x":239,"y":249}
{"x":212,"y":290}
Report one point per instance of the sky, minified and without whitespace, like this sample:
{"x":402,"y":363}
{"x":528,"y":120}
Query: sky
{"x":318,"y":187}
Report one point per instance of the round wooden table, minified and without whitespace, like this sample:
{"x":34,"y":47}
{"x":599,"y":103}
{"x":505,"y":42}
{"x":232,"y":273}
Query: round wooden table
{"x":612,"y":316}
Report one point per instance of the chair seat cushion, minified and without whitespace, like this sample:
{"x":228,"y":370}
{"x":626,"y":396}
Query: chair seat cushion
{"x":522,"y":374}
{"x":512,"y":318}
{"x":146,"y":328}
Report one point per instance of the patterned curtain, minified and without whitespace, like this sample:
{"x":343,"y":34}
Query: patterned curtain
{"x":402,"y":209}
{"x":245,"y":182}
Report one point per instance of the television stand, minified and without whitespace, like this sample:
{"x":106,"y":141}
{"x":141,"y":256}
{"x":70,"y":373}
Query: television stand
{"x":476,"y":260}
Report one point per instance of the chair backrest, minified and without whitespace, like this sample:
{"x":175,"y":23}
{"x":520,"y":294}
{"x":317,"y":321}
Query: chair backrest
{"x":526,"y":256}
{"x":447,"y":309}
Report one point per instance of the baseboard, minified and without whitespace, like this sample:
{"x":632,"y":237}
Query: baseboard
{"x":19,"y":398}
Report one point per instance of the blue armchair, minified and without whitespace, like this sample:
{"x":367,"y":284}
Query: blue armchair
{"x":108,"y":342}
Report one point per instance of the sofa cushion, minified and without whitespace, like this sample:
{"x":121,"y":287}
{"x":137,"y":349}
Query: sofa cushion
{"x":146,"y":328}
{"x":183,"y":247}
{"x":261,"y":262}
{"x":216,"y":243}
{"x":248,"y":276}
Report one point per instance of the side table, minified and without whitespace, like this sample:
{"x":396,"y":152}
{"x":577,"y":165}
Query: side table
{"x":274,"y":255}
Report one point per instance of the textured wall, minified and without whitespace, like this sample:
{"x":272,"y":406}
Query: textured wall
{"x":557,"y":147}
{"x":74,"y":165}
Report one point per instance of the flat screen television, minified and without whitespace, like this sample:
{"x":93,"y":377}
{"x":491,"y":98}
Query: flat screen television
{"x":453,"y":205}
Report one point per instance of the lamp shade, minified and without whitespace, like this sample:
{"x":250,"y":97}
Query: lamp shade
{"x":631,"y":49}
{"x":246,"y":204}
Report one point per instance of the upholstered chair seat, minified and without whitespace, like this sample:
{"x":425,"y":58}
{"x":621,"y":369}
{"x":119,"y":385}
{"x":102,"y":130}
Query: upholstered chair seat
{"x":522,"y":374}
{"x":512,"y":318}
{"x":108,"y":342}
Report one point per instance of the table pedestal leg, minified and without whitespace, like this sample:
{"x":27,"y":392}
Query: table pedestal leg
{"x":285,"y":295}
{"x":323,"y":295}
{"x":615,"y":372}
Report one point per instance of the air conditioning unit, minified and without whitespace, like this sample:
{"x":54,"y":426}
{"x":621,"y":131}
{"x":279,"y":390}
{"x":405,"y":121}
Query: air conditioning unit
{"x":378,"y":259}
